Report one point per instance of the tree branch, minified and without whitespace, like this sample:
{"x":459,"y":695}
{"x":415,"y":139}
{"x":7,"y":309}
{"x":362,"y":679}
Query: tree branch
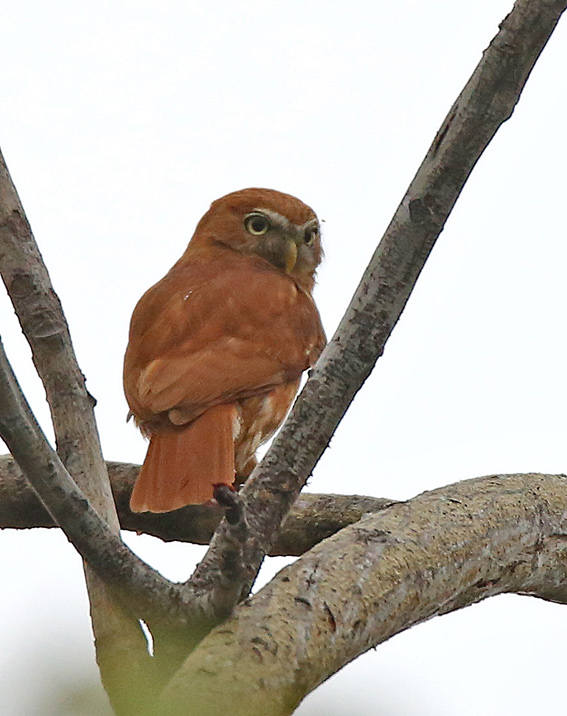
{"x":162,"y":604}
{"x":238,"y":547}
{"x":487,"y":101}
{"x":39,"y":311}
{"x":441,"y":551}
{"x":145,"y":590}
{"x":41,"y":317}
{"x":311,"y":519}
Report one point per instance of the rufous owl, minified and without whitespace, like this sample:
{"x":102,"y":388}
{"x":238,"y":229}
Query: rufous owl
{"x":217,"y":347}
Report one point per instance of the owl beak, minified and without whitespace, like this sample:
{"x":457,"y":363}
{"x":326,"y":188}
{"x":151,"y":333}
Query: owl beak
{"x":281,"y":251}
{"x":290,"y":255}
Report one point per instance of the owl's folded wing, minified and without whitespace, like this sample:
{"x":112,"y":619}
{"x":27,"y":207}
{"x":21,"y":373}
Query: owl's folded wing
{"x":202,"y":340}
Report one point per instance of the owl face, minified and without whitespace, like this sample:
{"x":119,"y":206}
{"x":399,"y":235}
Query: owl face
{"x":275,"y":226}
{"x":293,"y":248}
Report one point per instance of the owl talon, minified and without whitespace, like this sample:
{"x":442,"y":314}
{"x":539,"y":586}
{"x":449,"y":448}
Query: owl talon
{"x":227,"y":497}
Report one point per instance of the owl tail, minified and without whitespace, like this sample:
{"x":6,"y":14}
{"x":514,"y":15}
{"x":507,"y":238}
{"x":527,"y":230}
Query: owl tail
{"x":183,"y":465}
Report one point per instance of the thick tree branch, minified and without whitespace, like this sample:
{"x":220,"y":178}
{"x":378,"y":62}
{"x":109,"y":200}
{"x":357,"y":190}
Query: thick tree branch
{"x":487,"y":101}
{"x":37,"y":306}
{"x":163,"y":605}
{"x":439,"y":552}
{"x":238,"y":547}
{"x":144,"y":589}
{"x":41,"y":317}
{"x":311,"y":519}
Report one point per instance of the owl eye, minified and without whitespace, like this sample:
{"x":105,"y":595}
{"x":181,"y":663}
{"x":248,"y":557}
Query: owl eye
{"x":256,"y":224}
{"x":310,"y":235}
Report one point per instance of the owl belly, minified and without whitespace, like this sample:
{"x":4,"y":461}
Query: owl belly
{"x":260,"y":417}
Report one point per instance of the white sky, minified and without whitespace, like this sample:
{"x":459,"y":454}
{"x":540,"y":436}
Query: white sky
{"x":121,"y":122}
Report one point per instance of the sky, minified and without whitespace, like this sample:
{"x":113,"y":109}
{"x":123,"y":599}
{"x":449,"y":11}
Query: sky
{"x":121,"y":121}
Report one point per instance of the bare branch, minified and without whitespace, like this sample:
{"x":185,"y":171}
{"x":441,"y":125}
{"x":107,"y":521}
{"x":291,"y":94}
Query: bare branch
{"x":311,"y":519}
{"x":487,"y":101}
{"x":162,"y":604}
{"x":95,"y":541}
{"x":45,"y":328}
{"x":439,"y":552}
{"x":44,"y":325}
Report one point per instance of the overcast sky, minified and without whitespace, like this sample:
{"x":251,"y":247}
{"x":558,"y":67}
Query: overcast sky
{"x":121,"y":121}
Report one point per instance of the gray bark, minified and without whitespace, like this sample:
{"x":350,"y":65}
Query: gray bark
{"x":41,"y":317}
{"x":441,"y":551}
{"x":311,"y":519}
{"x":407,"y":563}
{"x":486,"y":102}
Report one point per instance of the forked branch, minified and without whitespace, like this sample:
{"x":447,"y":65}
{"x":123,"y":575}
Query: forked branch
{"x":487,"y":100}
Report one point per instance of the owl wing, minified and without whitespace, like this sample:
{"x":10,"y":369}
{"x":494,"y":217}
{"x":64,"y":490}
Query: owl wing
{"x":213,"y":332}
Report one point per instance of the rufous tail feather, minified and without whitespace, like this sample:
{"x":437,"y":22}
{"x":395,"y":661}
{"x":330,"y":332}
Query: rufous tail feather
{"x":183,"y":465}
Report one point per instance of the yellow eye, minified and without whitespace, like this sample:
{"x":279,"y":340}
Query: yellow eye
{"x":310,"y":235}
{"x":256,"y":224}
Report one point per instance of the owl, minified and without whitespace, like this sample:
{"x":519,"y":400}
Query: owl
{"x":217,"y":347}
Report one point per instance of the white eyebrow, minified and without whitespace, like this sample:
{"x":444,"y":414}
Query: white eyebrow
{"x":283,"y":221}
{"x":277,"y":218}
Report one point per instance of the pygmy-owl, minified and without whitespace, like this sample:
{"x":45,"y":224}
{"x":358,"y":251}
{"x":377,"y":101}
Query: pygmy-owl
{"x":217,"y":347}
